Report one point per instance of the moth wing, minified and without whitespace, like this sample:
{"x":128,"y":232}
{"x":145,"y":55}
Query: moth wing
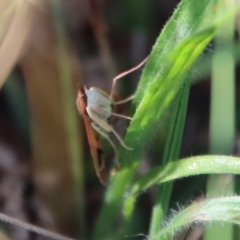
{"x":93,"y":137}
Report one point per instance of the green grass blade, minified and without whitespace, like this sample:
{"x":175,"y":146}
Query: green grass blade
{"x":204,"y":64}
{"x":223,"y":209}
{"x":171,"y":153}
{"x":71,"y":125}
{"x":222,"y":118}
{"x":181,"y":42}
{"x":209,"y":164}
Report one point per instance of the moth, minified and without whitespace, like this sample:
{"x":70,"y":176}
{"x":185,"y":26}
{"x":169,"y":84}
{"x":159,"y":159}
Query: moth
{"x":96,"y":107}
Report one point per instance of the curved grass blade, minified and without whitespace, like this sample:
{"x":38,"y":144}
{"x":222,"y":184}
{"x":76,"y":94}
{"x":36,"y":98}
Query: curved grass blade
{"x":223,"y":209}
{"x":208,"y":164}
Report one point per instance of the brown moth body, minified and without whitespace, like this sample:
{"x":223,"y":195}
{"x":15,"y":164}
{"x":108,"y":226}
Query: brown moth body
{"x":96,"y":108}
{"x":93,"y":137}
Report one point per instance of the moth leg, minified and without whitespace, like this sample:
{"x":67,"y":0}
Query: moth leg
{"x":121,"y":116}
{"x":124,"y":100}
{"x":111,"y":113}
{"x":106,"y":135}
{"x":121,"y":75}
{"x":120,"y":140}
{"x":99,"y":121}
{"x":105,"y":126}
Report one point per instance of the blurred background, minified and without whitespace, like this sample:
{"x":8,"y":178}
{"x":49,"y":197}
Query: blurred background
{"x":48,"y":47}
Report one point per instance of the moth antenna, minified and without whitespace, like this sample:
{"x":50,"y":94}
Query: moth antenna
{"x":32,"y":228}
{"x":111,"y":113}
{"x":123,"y":74}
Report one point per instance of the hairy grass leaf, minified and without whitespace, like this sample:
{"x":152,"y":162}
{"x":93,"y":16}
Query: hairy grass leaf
{"x":210,"y":164}
{"x":223,"y":209}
